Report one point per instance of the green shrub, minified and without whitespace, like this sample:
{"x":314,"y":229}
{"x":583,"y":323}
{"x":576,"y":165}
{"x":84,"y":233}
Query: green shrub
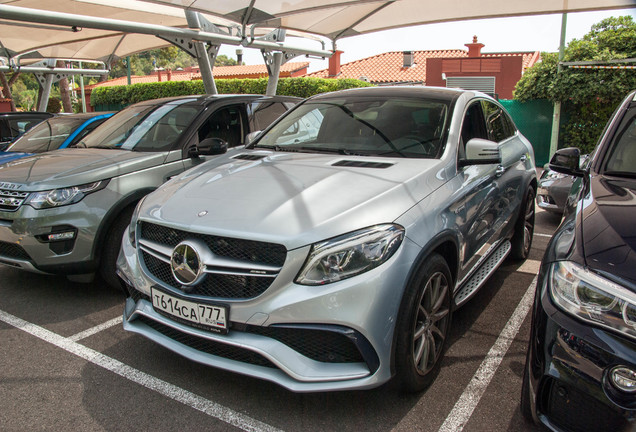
{"x":300,"y":87}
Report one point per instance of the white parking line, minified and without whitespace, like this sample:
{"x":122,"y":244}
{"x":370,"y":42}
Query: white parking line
{"x":178,"y":394}
{"x":463,"y":409}
{"x":542,"y":235}
{"x":91,"y":331}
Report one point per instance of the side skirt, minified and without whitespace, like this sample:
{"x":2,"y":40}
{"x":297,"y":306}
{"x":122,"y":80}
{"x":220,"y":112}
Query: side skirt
{"x":479,"y":277}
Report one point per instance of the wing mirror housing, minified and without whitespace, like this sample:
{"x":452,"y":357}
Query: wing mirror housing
{"x":209,"y":147}
{"x":481,"y":152}
{"x":566,"y":161}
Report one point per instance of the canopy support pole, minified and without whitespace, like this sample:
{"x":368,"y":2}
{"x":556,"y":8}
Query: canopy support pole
{"x":274,"y":59}
{"x":556,"y":115}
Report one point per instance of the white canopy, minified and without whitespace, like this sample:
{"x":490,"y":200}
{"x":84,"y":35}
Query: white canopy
{"x":336,"y":19}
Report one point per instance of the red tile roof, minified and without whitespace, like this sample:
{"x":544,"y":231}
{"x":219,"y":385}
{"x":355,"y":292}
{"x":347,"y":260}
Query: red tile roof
{"x":388,"y":67}
{"x":254,"y":70}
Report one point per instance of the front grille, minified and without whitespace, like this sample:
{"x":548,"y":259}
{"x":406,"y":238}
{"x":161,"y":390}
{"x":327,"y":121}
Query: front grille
{"x":210,"y":347}
{"x":245,"y":250}
{"x":213,"y":285}
{"x":11,"y":200}
{"x":576,"y":411}
{"x":12,"y":250}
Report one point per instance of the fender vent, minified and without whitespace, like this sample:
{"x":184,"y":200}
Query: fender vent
{"x":363,"y":164}
{"x":246,"y":156}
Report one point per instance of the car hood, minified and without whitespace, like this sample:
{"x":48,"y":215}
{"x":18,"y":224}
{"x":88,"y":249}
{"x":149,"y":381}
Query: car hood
{"x":292,"y":199}
{"x":9,"y":156}
{"x":609,"y":232}
{"x":71,"y":167}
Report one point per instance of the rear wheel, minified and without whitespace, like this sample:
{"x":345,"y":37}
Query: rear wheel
{"x":423,"y":325}
{"x":524,"y":228}
{"x":112,"y":244}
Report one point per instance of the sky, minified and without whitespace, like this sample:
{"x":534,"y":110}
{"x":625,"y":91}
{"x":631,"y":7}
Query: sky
{"x":531,"y":33}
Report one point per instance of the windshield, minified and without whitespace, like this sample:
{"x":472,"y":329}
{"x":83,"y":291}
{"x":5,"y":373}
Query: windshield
{"x":47,"y":135}
{"x":622,"y":157}
{"x":149,"y":128}
{"x":366,"y":126}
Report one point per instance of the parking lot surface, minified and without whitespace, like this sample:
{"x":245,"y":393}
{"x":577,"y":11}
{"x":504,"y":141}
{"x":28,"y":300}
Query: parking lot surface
{"x":67,"y":364}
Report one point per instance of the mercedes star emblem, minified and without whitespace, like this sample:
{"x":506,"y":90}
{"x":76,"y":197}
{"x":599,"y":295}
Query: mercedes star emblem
{"x":186,"y":265}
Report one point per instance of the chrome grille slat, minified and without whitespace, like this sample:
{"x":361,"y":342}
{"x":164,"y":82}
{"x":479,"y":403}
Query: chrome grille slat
{"x":232,"y":272}
{"x":11,"y":200}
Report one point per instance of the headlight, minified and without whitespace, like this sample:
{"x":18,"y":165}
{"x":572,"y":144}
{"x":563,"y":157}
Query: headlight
{"x":65,"y":196}
{"x":552,"y":175}
{"x":592,"y":297}
{"x":350,"y":254}
{"x":132,"y":228}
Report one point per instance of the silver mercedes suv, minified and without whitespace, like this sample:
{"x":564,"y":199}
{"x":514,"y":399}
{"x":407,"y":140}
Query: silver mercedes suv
{"x":65,"y":211}
{"x":331,"y":252}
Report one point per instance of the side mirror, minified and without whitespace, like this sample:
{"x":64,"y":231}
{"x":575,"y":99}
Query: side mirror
{"x":251,"y":137}
{"x":209,"y":147}
{"x":481,"y":152}
{"x":566,"y":161}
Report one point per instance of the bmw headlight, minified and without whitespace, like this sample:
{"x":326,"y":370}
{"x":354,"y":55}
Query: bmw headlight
{"x":64,"y":196}
{"x":350,"y":254}
{"x":592,"y":297}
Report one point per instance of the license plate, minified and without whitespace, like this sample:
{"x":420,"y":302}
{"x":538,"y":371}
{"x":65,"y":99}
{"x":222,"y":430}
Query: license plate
{"x":201,"y":315}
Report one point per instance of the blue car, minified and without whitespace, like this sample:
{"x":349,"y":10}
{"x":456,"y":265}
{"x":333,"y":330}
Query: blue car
{"x":54,"y":133}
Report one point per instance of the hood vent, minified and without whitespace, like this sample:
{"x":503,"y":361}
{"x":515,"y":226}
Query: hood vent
{"x":247,"y":156}
{"x":363,"y":164}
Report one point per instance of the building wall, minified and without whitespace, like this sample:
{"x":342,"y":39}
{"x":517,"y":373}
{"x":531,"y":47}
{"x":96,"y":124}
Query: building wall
{"x":506,"y":70}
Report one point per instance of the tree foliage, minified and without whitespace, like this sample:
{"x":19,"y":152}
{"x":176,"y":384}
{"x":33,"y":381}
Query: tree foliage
{"x":167,"y":58}
{"x":588,"y":96}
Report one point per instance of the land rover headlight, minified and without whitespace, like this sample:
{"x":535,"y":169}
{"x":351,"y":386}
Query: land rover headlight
{"x":593,"y":298}
{"x":64,"y":196}
{"x":350,"y":254}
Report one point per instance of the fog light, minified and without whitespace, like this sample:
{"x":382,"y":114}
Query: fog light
{"x":61,"y":236}
{"x":624,"y":379}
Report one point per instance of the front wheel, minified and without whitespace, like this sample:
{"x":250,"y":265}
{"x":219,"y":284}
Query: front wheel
{"x":423,"y":325}
{"x":112,"y":244}
{"x":524,"y":228}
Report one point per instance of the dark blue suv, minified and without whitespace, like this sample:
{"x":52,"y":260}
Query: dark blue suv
{"x":580,"y":370}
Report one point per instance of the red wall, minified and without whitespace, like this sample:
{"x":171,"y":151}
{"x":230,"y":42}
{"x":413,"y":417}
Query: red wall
{"x":506,"y":70}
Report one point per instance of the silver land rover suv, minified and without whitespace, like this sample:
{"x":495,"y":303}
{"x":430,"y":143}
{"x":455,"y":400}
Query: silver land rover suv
{"x":65,"y":211}
{"x":331,"y":252}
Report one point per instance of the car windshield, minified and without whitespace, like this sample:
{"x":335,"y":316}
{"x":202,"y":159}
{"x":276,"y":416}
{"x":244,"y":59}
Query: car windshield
{"x":366,"y":126}
{"x":622,"y":157}
{"x":47,"y":135}
{"x":148,"y":128}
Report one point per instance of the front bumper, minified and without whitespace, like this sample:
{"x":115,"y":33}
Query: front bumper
{"x":24,"y":236}
{"x":306,"y":339}
{"x":569,"y":364}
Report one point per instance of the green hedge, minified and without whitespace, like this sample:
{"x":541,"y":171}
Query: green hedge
{"x":301,"y":87}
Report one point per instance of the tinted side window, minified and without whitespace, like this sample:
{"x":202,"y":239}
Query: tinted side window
{"x":473,"y":126}
{"x":496,"y":122}
{"x":226,"y":124}
{"x":262,"y":114}
{"x":622,"y":156}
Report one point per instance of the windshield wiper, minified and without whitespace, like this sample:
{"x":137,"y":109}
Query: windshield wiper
{"x":627,"y":174}
{"x":331,"y":150}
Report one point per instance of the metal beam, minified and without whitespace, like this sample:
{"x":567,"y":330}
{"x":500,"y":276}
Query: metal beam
{"x":205,"y":55}
{"x":61,"y":72}
{"x":17,"y":13}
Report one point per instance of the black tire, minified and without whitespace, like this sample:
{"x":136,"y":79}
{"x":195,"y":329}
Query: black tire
{"x":112,"y":244}
{"x":423,"y":325}
{"x":524,"y":228}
